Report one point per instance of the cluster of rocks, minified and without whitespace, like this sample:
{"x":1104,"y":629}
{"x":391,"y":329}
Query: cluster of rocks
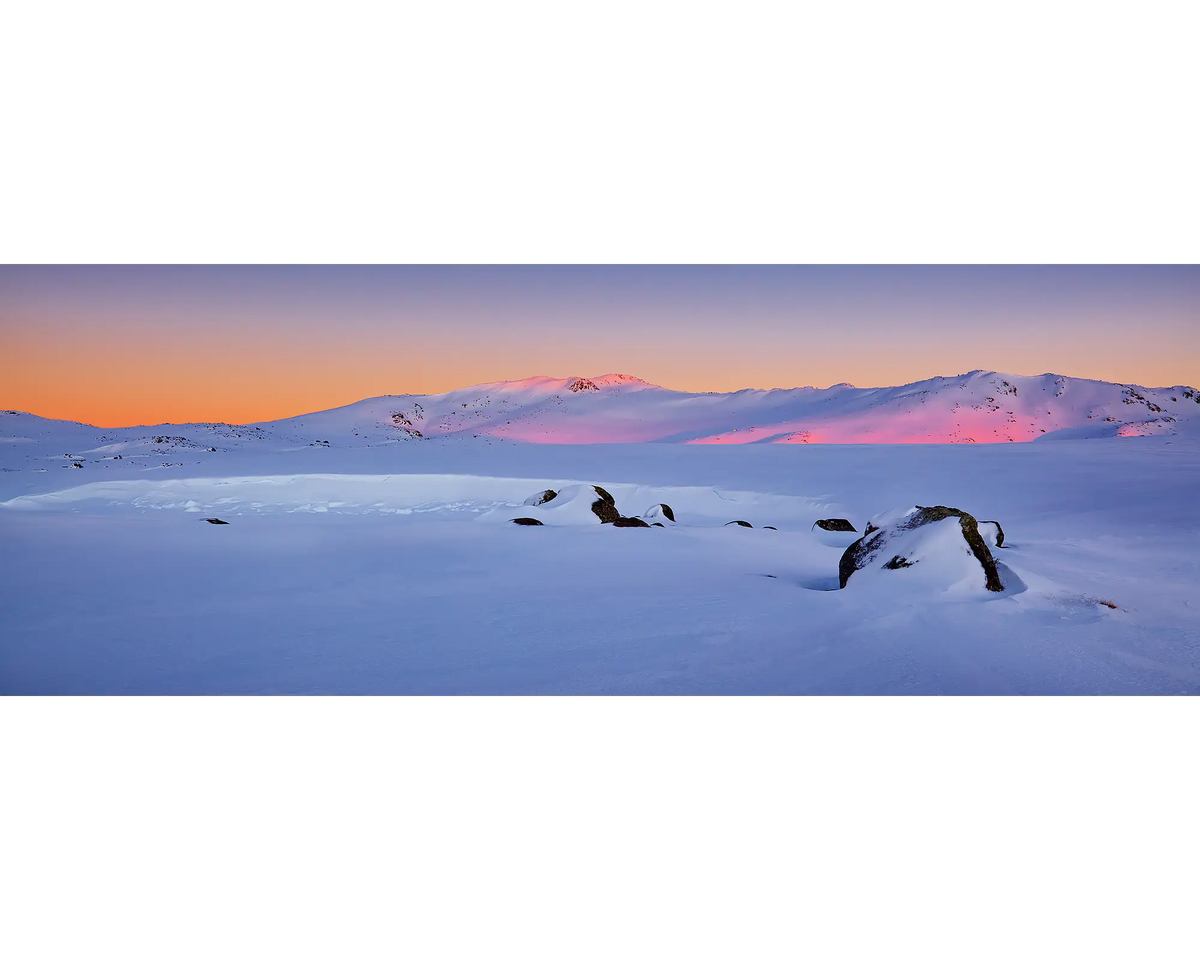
{"x":604,"y":506}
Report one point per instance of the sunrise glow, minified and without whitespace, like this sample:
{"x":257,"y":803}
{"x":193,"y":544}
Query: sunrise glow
{"x":124,"y":345}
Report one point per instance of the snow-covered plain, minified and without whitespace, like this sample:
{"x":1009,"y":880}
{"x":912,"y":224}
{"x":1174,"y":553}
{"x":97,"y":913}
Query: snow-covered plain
{"x":359,"y":557}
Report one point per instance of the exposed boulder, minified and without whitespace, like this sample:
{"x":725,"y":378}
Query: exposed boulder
{"x":740,"y":523}
{"x":770,"y":528}
{"x":528,"y":522}
{"x":539,"y":498}
{"x":922,"y":535}
{"x":658,"y":525}
{"x":658,"y":511}
{"x":214,"y":520}
{"x":992,"y":532}
{"x":604,"y":506}
{"x":630,"y":522}
{"x":836,"y":525}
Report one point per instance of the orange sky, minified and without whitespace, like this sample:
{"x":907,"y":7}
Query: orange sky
{"x":121,"y":346}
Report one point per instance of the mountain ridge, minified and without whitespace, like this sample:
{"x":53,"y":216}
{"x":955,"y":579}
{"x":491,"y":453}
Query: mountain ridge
{"x":975,"y":407}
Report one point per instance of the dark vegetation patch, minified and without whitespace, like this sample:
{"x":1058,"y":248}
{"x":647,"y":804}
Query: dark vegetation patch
{"x":898,"y":563}
{"x":740,"y":523}
{"x":836,"y":525}
{"x":528,"y":522}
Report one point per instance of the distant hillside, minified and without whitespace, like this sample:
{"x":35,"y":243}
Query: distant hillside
{"x":976,"y":407}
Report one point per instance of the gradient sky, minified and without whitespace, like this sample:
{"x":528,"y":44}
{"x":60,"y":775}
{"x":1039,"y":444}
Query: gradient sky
{"x":124,"y":345}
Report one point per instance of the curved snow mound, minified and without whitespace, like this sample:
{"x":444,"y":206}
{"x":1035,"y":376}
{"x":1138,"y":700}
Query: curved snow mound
{"x":931,"y":546}
{"x":577,"y":503}
{"x":992,"y":532}
{"x":659,"y":513}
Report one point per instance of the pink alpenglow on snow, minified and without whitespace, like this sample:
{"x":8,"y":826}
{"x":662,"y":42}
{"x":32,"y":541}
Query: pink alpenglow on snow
{"x":976,"y":407}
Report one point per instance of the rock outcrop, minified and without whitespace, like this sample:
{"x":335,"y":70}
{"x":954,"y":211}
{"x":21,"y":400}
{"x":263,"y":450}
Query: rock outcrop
{"x":836,"y":525}
{"x":992,"y":532}
{"x":920,"y":535}
{"x":605,"y":507}
{"x":658,"y":511}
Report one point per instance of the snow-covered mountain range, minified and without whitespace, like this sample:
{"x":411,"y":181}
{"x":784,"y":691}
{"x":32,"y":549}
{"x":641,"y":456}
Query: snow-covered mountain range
{"x":976,"y":407}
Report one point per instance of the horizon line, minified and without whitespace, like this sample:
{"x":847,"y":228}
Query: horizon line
{"x":541,"y":377}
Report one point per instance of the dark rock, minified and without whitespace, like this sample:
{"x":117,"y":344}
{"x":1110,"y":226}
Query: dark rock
{"x":740,"y":523}
{"x":215,"y":520}
{"x":999,"y":531}
{"x":836,"y":525}
{"x":605,"y":507}
{"x":663,"y":525}
{"x":860,"y":551}
{"x":770,"y":528}
{"x":666,"y":511}
{"x":630,"y":522}
{"x":539,"y":498}
{"x":528,"y":522}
